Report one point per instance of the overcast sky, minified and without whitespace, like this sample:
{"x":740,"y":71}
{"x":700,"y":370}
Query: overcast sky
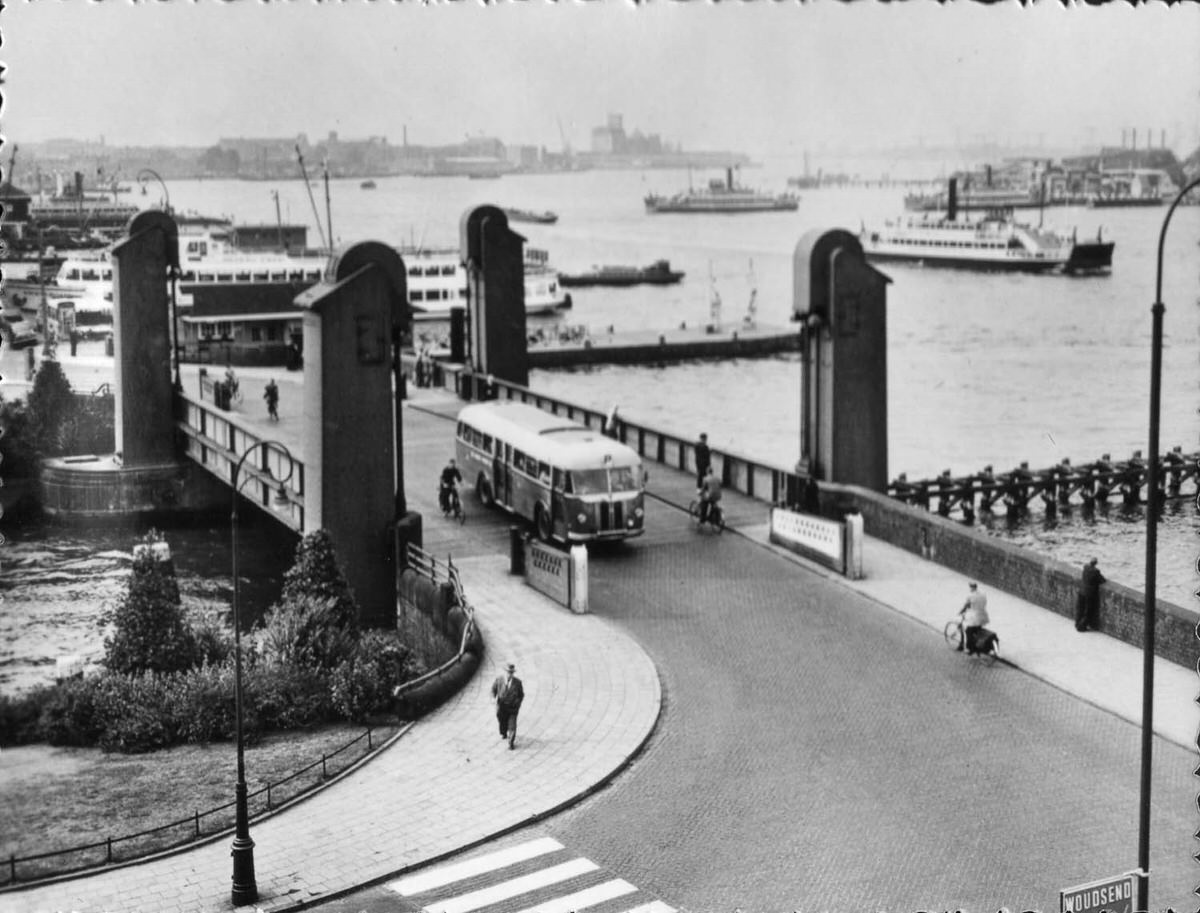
{"x":759,"y":77}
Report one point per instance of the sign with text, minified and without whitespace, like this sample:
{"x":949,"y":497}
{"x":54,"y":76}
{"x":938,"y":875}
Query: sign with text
{"x":1110,"y":895}
{"x":811,"y":536}
{"x":548,"y":571}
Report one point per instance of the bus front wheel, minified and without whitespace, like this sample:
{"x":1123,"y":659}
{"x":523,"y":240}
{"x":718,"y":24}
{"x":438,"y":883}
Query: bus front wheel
{"x":541,"y":520}
{"x":483,"y":491}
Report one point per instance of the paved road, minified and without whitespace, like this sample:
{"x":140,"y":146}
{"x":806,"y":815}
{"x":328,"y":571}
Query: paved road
{"x":819,"y":751}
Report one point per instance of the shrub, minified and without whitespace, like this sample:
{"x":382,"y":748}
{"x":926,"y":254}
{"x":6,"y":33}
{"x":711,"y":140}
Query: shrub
{"x":362,"y":684}
{"x":51,"y":408}
{"x":306,"y":631}
{"x":203,"y":702}
{"x":150,"y":632}
{"x":315,"y":573}
{"x":17,"y":446}
{"x":20,"y":714}
{"x":136,"y":713}
{"x":286,"y":696}
{"x":70,"y":713}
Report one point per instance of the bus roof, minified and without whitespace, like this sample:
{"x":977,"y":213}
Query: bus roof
{"x":553,"y":438}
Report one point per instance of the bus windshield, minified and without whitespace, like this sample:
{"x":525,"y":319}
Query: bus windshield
{"x":597,"y":481}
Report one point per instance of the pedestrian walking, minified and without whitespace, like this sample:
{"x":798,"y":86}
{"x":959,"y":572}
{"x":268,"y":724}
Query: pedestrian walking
{"x":1087,"y":602}
{"x":508,"y":693}
{"x":703,"y":459}
{"x":271,"y":395}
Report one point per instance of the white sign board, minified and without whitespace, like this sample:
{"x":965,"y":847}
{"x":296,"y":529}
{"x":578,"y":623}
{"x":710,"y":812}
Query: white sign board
{"x":809,"y":535}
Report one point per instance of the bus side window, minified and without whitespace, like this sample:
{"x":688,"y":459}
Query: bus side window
{"x":568,"y":488}
{"x":559,"y":477}
{"x":544,"y":473}
{"x":518,"y":461}
{"x":462,"y":430}
{"x":487,"y":443}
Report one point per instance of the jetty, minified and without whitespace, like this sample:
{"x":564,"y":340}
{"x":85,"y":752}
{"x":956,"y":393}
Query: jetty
{"x":570,"y":347}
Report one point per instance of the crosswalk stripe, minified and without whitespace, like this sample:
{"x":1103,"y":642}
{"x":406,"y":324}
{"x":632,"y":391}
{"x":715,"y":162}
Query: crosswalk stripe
{"x":581,"y":900}
{"x":655,"y":906}
{"x":513,"y":887}
{"x":469,"y":868}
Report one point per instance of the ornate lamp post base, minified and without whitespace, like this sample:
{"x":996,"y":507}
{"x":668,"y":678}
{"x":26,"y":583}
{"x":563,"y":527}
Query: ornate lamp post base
{"x":245,"y":888}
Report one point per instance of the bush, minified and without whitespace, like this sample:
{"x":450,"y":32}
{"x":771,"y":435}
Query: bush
{"x":136,"y":713}
{"x":150,"y":632}
{"x":20,"y":714}
{"x":18,"y":449}
{"x":51,"y":408}
{"x":306,"y":631}
{"x":70,"y":713}
{"x":203,"y":702}
{"x":315,"y":573}
{"x":362,"y":684}
{"x":286,"y":696}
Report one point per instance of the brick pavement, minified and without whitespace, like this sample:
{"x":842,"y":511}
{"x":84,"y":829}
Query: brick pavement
{"x":594,"y":698}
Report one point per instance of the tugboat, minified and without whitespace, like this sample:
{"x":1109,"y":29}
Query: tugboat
{"x":722,"y":196}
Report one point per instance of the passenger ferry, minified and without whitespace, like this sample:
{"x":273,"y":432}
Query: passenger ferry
{"x":722,"y":197}
{"x":437,"y":281}
{"x":994,"y":241}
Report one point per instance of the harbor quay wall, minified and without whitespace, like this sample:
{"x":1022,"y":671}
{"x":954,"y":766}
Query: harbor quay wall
{"x":1041,"y":580}
{"x":1038,"y":579}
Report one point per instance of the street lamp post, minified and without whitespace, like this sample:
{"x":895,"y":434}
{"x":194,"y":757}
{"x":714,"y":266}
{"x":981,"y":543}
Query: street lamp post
{"x":245,"y":887}
{"x":1152,"y":477}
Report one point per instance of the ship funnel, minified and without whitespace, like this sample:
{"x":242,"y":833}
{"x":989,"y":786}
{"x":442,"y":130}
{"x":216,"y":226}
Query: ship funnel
{"x":952,"y":200}
{"x":729,"y":177}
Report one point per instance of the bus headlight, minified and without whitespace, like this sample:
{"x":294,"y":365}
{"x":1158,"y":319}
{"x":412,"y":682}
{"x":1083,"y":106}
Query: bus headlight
{"x":638,"y":512}
{"x":581,"y":518}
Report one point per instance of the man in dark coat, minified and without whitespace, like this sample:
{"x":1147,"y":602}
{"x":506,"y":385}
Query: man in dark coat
{"x":703,"y":459}
{"x":508,"y":693}
{"x":1087,"y":604}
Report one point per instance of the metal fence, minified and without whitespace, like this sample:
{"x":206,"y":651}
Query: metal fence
{"x":198,"y":826}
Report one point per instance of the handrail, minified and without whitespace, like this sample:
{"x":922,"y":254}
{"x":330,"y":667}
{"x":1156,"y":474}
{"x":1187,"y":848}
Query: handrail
{"x":193,"y":821}
{"x":427,"y":564}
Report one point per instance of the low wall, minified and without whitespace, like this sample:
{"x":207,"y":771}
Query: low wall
{"x":431,"y":621}
{"x":1040,"y":580}
{"x":98,"y":489}
{"x":1034,"y":578}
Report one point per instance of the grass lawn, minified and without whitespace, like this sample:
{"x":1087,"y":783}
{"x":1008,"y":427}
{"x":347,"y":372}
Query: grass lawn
{"x":57,"y":798}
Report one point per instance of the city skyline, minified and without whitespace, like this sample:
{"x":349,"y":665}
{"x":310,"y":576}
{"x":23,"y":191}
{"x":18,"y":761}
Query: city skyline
{"x":762,"y":78}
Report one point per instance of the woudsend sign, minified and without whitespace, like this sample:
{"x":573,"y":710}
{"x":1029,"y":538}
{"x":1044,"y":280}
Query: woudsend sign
{"x":1110,"y":895}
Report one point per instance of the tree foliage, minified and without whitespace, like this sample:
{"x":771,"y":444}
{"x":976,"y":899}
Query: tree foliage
{"x":51,"y":409}
{"x":316,"y":574}
{"x":150,"y":632}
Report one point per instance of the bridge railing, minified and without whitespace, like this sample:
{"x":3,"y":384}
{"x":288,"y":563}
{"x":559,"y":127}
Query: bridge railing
{"x":216,"y":440}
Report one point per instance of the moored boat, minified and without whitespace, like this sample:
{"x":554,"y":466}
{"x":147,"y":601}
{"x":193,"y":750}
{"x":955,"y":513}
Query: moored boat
{"x":657,"y":273}
{"x":524,"y":215}
{"x":722,"y":197}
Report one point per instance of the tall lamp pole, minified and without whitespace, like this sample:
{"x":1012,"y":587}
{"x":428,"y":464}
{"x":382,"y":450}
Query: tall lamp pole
{"x":1156,"y":344}
{"x":245,"y":887}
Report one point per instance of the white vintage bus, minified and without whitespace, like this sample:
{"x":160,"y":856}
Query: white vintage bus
{"x":572,"y":483}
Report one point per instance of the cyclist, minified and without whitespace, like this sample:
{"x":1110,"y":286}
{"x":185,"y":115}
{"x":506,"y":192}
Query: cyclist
{"x":710,"y":493}
{"x":448,"y":482}
{"x":974,"y":617}
{"x":231,"y":381}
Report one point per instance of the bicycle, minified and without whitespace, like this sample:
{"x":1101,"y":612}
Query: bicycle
{"x":716,"y":516}
{"x":953,"y":633}
{"x":452,"y":506}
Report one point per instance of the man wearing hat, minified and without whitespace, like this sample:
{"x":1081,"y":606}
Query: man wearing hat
{"x":508,"y":693}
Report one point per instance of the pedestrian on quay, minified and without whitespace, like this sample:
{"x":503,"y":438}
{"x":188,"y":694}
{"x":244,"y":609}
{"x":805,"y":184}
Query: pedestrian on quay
{"x":703,"y":459}
{"x":1087,"y":601}
{"x":508,"y":692}
{"x":271,"y":395}
{"x":974,"y":616}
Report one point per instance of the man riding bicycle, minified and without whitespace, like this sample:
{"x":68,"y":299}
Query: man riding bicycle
{"x":710,"y":494}
{"x":448,"y":482}
{"x":974,"y":617}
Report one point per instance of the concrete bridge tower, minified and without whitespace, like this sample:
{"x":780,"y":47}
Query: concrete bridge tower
{"x":842,"y":302}
{"x":354,"y":320}
{"x":495,"y":259}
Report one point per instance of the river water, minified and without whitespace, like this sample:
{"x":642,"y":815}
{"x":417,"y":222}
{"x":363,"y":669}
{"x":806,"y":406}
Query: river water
{"x":982,"y":368}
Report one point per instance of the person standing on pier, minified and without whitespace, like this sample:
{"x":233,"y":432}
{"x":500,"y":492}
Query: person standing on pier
{"x":508,"y":692}
{"x":703,"y":459}
{"x":271,"y":395}
{"x":1087,"y":602}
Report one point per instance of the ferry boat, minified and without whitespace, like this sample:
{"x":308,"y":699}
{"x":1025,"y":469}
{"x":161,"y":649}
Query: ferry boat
{"x":436,"y":280}
{"x":657,"y":273}
{"x":524,"y":215}
{"x":993,"y":241}
{"x":722,"y":197}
